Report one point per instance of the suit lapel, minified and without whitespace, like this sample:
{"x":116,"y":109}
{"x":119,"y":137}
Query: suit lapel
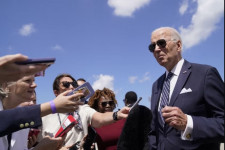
{"x":184,"y":74}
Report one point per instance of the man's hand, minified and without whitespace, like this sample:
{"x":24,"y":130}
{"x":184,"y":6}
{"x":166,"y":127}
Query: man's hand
{"x":174,"y":117}
{"x":50,"y":143}
{"x":123,"y":113}
{"x":66,"y":103}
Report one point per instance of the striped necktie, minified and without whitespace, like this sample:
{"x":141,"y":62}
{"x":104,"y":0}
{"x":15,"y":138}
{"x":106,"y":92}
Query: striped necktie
{"x":165,"y":94}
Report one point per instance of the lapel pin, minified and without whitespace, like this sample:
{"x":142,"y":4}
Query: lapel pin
{"x":185,"y":72}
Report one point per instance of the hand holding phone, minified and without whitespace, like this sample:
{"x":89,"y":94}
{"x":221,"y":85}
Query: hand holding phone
{"x":86,"y":89}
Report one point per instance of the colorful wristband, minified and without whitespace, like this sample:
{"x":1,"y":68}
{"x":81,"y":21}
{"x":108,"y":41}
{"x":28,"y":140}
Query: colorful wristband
{"x":53,"y":108}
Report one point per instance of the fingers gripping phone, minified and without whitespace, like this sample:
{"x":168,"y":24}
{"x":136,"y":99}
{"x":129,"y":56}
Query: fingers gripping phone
{"x":47,"y":61}
{"x":90,"y":139}
{"x":86,"y":89}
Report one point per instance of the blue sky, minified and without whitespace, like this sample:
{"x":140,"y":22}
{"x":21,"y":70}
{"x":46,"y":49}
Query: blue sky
{"x":106,"y":42}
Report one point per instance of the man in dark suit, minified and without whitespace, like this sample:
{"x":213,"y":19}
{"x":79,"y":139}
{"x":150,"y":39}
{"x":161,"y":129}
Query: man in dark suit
{"x":187,"y":101}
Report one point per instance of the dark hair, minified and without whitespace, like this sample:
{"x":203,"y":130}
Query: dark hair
{"x":58,"y":78}
{"x":81,"y":79}
{"x":93,"y":101}
{"x":130,"y":97}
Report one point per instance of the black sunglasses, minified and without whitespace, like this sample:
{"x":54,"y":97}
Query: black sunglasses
{"x":161,"y":43}
{"x":67,"y":84}
{"x":111,"y":103}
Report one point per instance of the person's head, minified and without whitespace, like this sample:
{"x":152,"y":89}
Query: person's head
{"x":80,"y":81}
{"x":103,"y":100}
{"x":130,"y":98}
{"x":63,"y":82}
{"x":15,"y":93}
{"x":166,"y":45}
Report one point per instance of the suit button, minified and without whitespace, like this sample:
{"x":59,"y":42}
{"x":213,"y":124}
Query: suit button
{"x":26,"y":124}
{"x":188,"y":136}
{"x":31,"y":123}
{"x":21,"y":125}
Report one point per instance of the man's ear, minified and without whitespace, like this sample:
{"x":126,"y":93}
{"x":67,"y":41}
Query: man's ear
{"x":179,"y":45}
{"x":56,"y":93}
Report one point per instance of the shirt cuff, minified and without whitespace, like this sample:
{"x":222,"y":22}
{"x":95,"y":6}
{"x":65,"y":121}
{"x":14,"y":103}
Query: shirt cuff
{"x":186,"y":134}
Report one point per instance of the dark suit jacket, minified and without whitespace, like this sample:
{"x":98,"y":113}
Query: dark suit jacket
{"x":205,"y":104}
{"x":19,"y":118}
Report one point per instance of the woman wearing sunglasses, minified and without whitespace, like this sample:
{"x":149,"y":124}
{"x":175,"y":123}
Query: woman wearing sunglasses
{"x":103,"y":100}
{"x":107,"y":136}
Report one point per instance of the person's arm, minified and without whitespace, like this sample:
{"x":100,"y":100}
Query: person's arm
{"x":211,"y":129}
{"x":101,"y":119}
{"x":10,"y":71}
{"x":30,"y":116}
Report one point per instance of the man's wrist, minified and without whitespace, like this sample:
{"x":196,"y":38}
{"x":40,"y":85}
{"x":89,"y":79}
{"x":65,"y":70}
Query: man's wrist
{"x":115,"y":117}
{"x":53,"y":108}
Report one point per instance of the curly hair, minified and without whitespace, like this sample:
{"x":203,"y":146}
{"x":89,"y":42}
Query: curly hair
{"x":94,"y":100}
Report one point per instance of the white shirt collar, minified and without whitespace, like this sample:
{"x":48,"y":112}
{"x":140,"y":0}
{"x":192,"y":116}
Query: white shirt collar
{"x":177,"y":68}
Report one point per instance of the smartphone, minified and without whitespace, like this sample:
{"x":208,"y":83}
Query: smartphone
{"x":140,"y":98}
{"x":66,"y":126}
{"x":48,"y":61}
{"x":86,"y":89}
{"x":33,"y":132}
{"x":90,"y":139}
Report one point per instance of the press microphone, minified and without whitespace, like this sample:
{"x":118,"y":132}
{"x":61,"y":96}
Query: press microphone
{"x":140,"y":98}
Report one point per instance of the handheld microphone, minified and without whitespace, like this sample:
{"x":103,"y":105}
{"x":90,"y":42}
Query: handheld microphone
{"x":140,"y":98}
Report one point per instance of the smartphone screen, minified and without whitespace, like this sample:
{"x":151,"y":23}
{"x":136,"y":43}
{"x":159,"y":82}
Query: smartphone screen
{"x":37,"y":61}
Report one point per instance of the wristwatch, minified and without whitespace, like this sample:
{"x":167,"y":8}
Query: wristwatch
{"x":115,"y":116}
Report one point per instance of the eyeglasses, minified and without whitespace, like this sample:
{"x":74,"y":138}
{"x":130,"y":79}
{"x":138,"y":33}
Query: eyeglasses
{"x":104,"y":104}
{"x":67,"y":84}
{"x":161,"y":43}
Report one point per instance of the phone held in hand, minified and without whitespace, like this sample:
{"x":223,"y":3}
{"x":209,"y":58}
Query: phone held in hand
{"x":66,"y":126}
{"x":90,"y":139}
{"x":47,"y":61}
{"x":86,"y":89}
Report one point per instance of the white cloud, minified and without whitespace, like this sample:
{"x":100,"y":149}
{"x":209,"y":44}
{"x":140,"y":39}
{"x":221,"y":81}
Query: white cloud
{"x":57,"y":48}
{"x":103,"y":81}
{"x":126,"y":8}
{"x":132,"y":79}
{"x":183,"y":7}
{"x":208,"y":14}
{"x":145,"y":77}
{"x":27,"y":29}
